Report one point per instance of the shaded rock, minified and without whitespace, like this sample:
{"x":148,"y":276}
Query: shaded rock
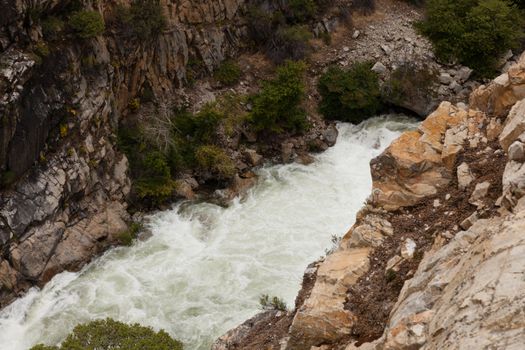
{"x":408,"y":248}
{"x":330,"y":135}
{"x":465,"y":176}
{"x":514,"y":125}
{"x":379,"y":68}
{"x":253,"y":157}
{"x":480,"y":192}
{"x":499,"y":96}
{"x":516,"y":151}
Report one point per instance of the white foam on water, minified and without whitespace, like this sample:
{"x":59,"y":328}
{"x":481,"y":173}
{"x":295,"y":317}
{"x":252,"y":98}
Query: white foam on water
{"x":204,"y":268}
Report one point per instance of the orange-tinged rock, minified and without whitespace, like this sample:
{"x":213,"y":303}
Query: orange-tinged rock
{"x":497,"y":98}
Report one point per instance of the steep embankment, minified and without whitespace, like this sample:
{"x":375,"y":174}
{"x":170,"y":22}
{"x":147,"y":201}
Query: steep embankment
{"x":435,"y":259}
{"x":61,"y":103}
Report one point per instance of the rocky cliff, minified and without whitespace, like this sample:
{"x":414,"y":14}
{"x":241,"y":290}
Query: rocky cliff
{"x":61,"y":102}
{"x":435,"y":259}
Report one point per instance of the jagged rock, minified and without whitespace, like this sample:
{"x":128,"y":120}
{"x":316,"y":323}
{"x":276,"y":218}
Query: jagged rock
{"x":235,"y":336}
{"x":468,"y":222}
{"x":445,"y":79}
{"x":499,"y":96}
{"x":393,"y":263}
{"x":514,"y":126}
{"x":408,"y":249}
{"x":322,"y":317}
{"x":480,"y":192}
{"x":465,"y":176}
{"x":379,"y":68}
{"x":412,"y":167}
{"x":463,"y":74}
{"x":253,"y":157}
{"x":466,"y":294}
{"x":494,"y":129}
{"x":516,"y":151}
{"x":330,"y":135}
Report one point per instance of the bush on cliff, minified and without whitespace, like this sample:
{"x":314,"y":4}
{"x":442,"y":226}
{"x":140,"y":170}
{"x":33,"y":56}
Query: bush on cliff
{"x":280,"y":27}
{"x":277,"y":107}
{"x":143,"y":20}
{"x":228,"y":73}
{"x":474,"y":32}
{"x":409,"y":84}
{"x":352,"y":95}
{"x":87,"y":24}
{"x":113,"y":335}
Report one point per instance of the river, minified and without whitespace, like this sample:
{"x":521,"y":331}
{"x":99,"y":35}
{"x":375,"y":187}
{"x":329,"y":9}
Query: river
{"x":204,"y":268}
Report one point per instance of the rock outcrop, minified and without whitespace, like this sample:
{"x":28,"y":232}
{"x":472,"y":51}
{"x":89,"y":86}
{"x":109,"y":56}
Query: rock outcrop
{"x":436,"y":257}
{"x":60,"y":105}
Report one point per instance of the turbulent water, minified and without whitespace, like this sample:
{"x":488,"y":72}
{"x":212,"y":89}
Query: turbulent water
{"x":204,"y":268}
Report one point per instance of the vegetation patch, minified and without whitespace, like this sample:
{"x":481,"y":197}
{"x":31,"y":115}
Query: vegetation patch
{"x":277,"y":107}
{"x":228,"y":73}
{"x":113,"y":335}
{"x":351,"y":95}
{"x":272,"y":303}
{"x":87,"y":24}
{"x":143,"y":20}
{"x":476,"y":33}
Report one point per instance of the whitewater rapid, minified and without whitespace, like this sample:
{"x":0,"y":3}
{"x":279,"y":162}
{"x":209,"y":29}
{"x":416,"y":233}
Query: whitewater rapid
{"x":204,"y":268}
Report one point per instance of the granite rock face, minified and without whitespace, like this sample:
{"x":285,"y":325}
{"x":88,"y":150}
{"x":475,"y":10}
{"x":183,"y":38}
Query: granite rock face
{"x":59,"y":118}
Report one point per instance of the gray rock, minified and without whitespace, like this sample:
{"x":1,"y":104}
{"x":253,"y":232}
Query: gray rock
{"x":445,"y":78}
{"x":465,"y":177}
{"x":330,"y":135}
{"x":379,"y":68}
{"x":463,"y":74}
{"x":517,"y":151}
{"x":480,"y":192}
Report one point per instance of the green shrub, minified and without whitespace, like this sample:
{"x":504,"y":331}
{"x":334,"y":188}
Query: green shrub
{"x":155,"y":180}
{"x":281,"y":31}
{"x":289,"y":43}
{"x":214,"y":159}
{"x":87,"y":24}
{"x":228,"y":73}
{"x":474,"y":32}
{"x":300,"y":11}
{"x":272,"y":303}
{"x":126,"y":237}
{"x":52,"y":27}
{"x":113,"y":335}
{"x":277,"y":107}
{"x":143,"y":20}
{"x":351,"y":95}
{"x":365,"y":6}
{"x":410,"y":83}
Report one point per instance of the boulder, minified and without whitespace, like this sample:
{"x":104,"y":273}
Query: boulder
{"x":465,"y":176}
{"x":480,"y":192}
{"x":412,"y":167}
{"x":514,"y":126}
{"x":500,"y":95}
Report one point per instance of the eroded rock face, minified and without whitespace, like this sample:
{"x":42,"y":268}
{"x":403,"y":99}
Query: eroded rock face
{"x":467,"y":294}
{"x":420,"y":162}
{"x":500,"y":95}
{"x":59,"y":123}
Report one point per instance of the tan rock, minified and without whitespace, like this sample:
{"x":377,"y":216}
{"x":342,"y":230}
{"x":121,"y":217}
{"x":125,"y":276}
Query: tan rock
{"x":464,"y":175}
{"x":468,"y":294}
{"x":418,"y":163}
{"x":498,"y":97}
{"x":514,"y":126}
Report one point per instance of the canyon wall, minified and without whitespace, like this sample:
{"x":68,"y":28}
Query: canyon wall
{"x":60,"y":111}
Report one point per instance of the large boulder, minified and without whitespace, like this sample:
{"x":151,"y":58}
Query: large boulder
{"x":420,"y":162}
{"x":322,"y":318}
{"x":501,"y":94}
